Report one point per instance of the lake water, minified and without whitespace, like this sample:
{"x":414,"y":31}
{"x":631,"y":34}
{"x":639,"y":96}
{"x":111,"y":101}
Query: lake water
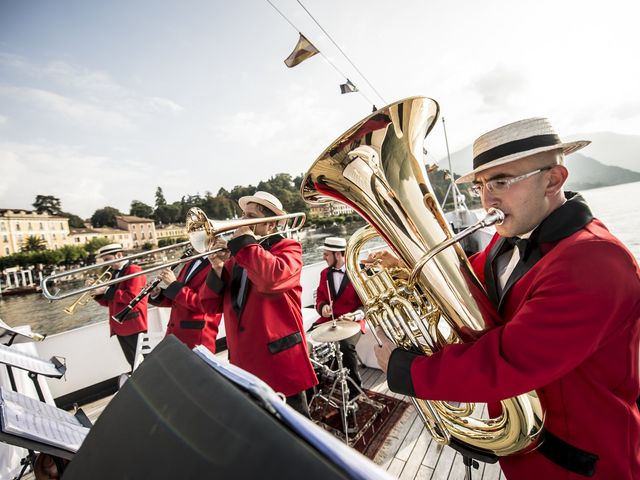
{"x":618,"y":207}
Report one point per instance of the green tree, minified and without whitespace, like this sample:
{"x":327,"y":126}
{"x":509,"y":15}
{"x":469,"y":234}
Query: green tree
{"x":166,"y":214}
{"x":160,"y":200}
{"x":147,"y":246}
{"x":74,"y":220}
{"x":105,"y":217}
{"x":140,"y":209}
{"x":47,"y":204}
{"x":94,"y":244}
{"x":241,"y":191}
{"x":33,"y":244}
{"x":219,"y":208}
{"x":440,"y":183}
{"x":73,"y":254}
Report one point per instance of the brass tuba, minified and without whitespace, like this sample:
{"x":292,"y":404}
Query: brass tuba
{"x":376,"y":168}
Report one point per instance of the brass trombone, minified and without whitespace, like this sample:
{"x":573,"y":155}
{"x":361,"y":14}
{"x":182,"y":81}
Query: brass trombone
{"x":200,"y":230}
{"x":86,"y":296}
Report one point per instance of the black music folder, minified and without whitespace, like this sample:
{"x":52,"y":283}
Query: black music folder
{"x":35,"y":425}
{"x":177,"y":417}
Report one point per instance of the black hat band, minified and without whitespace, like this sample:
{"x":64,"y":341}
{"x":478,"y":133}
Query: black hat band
{"x":516,"y":146}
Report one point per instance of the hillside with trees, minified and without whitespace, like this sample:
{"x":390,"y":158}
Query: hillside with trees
{"x":221,"y":206}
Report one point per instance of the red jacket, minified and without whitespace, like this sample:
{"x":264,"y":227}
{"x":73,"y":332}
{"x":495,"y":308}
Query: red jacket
{"x":265,"y":337}
{"x":569,"y":329}
{"x":345,"y":300}
{"x":118,"y":296}
{"x":188,"y":322}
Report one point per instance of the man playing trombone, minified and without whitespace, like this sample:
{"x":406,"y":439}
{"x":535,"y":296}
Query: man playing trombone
{"x":259,"y":291}
{"x":118,"y":296}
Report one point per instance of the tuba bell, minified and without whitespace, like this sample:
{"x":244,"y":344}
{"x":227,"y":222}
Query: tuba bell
{"x":376,"y":168}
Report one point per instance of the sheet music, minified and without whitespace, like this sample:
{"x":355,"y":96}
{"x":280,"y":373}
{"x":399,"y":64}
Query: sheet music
{"x":31,"y":363}
{"x":23,"y":333}
{"x":29,"y":418}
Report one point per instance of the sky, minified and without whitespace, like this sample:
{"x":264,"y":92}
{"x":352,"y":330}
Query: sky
{"x":102,"y":102}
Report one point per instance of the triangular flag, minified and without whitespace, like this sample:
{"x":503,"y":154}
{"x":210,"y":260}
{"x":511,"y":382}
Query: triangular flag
{"x":304,"y":49}
{"x":348,"y":87}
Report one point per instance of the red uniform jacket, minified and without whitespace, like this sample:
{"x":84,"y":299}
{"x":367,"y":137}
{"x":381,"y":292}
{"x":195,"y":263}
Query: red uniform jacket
{"x":188,"y":322}
{"x":345,"y":300}
{"x":118,"y":296}
{"x":265,"y":336}
{"x":569,"y":329}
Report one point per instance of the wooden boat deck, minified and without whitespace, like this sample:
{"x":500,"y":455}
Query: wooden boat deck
{"x":408,"y":451}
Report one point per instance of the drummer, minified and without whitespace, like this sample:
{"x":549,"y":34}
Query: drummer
{"x":337,"y":299}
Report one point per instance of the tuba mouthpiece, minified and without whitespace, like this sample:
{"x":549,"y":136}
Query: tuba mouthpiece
{"x":493,"y":217}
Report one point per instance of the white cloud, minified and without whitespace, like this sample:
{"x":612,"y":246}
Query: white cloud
{"x":81,"y":113}
{"x":499,"y":86}
{"x":163,"y":104}
{"x":81,"y":94}
{"x":3,"y":120}
{"x":252,"y":128}
{"x":82,"y":180}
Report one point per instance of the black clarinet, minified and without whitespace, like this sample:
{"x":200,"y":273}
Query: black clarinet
{"x":120,"y":316}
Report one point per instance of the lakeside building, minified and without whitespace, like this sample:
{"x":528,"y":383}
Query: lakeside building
{"x":331,"y":209}
{"x":16,"y":225}
{"x":171,"y":232}
{"x":81,"y":236}
{"x":142,"y":230}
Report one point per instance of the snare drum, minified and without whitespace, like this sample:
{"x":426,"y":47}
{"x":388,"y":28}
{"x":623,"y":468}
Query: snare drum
{"x":323,"y":353}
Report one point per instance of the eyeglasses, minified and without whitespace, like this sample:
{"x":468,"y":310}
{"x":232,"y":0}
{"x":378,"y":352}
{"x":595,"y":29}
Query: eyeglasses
{"x":501,"y":185}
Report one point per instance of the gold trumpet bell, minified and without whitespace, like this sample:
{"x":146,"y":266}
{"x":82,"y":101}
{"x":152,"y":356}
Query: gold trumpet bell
{"x":199,"y":229}
{"x":85,"y":298}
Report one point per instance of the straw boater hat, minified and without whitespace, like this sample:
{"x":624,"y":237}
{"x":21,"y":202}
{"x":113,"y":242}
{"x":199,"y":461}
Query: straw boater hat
{"x":334,"y":244}
{"x":110,"y":249}
{"x":265,"y":199}
{"x":516,"y":141}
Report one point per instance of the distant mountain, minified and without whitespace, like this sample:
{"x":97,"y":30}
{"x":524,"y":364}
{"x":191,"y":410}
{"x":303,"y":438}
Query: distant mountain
{"x":612,"y":159}
{"x":612,"y":149}
{"x":585,"y":173}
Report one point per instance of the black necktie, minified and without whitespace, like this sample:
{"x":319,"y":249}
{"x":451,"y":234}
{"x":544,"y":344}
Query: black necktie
{"x":522,"y":244}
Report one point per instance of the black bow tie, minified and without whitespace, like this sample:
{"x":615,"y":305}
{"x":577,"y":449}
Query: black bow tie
{"x":334,"y":269}
{"x":523,"y":245}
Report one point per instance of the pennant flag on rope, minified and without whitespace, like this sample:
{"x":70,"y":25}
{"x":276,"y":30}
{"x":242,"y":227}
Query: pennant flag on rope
{"x":348,"y":87}
{"x":304,"y":49}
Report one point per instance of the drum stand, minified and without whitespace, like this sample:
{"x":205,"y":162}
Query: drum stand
{"x":344,"y":405}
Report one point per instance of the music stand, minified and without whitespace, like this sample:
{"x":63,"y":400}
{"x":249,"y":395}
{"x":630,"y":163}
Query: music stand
{"x":10,"y":335}
{"x":33,"y":365}
{"x":38,"y":426}
{"x":178,"y":417}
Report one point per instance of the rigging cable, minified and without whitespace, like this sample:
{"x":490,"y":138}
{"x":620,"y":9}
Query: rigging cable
{"x":322,"y":54}
{"x":342,"y":52}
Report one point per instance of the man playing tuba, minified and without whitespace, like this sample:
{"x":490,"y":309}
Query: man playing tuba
{"x":567,"y":297}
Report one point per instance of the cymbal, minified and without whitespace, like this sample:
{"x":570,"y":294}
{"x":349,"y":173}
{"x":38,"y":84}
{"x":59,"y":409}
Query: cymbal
{"x":327,"y":332}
